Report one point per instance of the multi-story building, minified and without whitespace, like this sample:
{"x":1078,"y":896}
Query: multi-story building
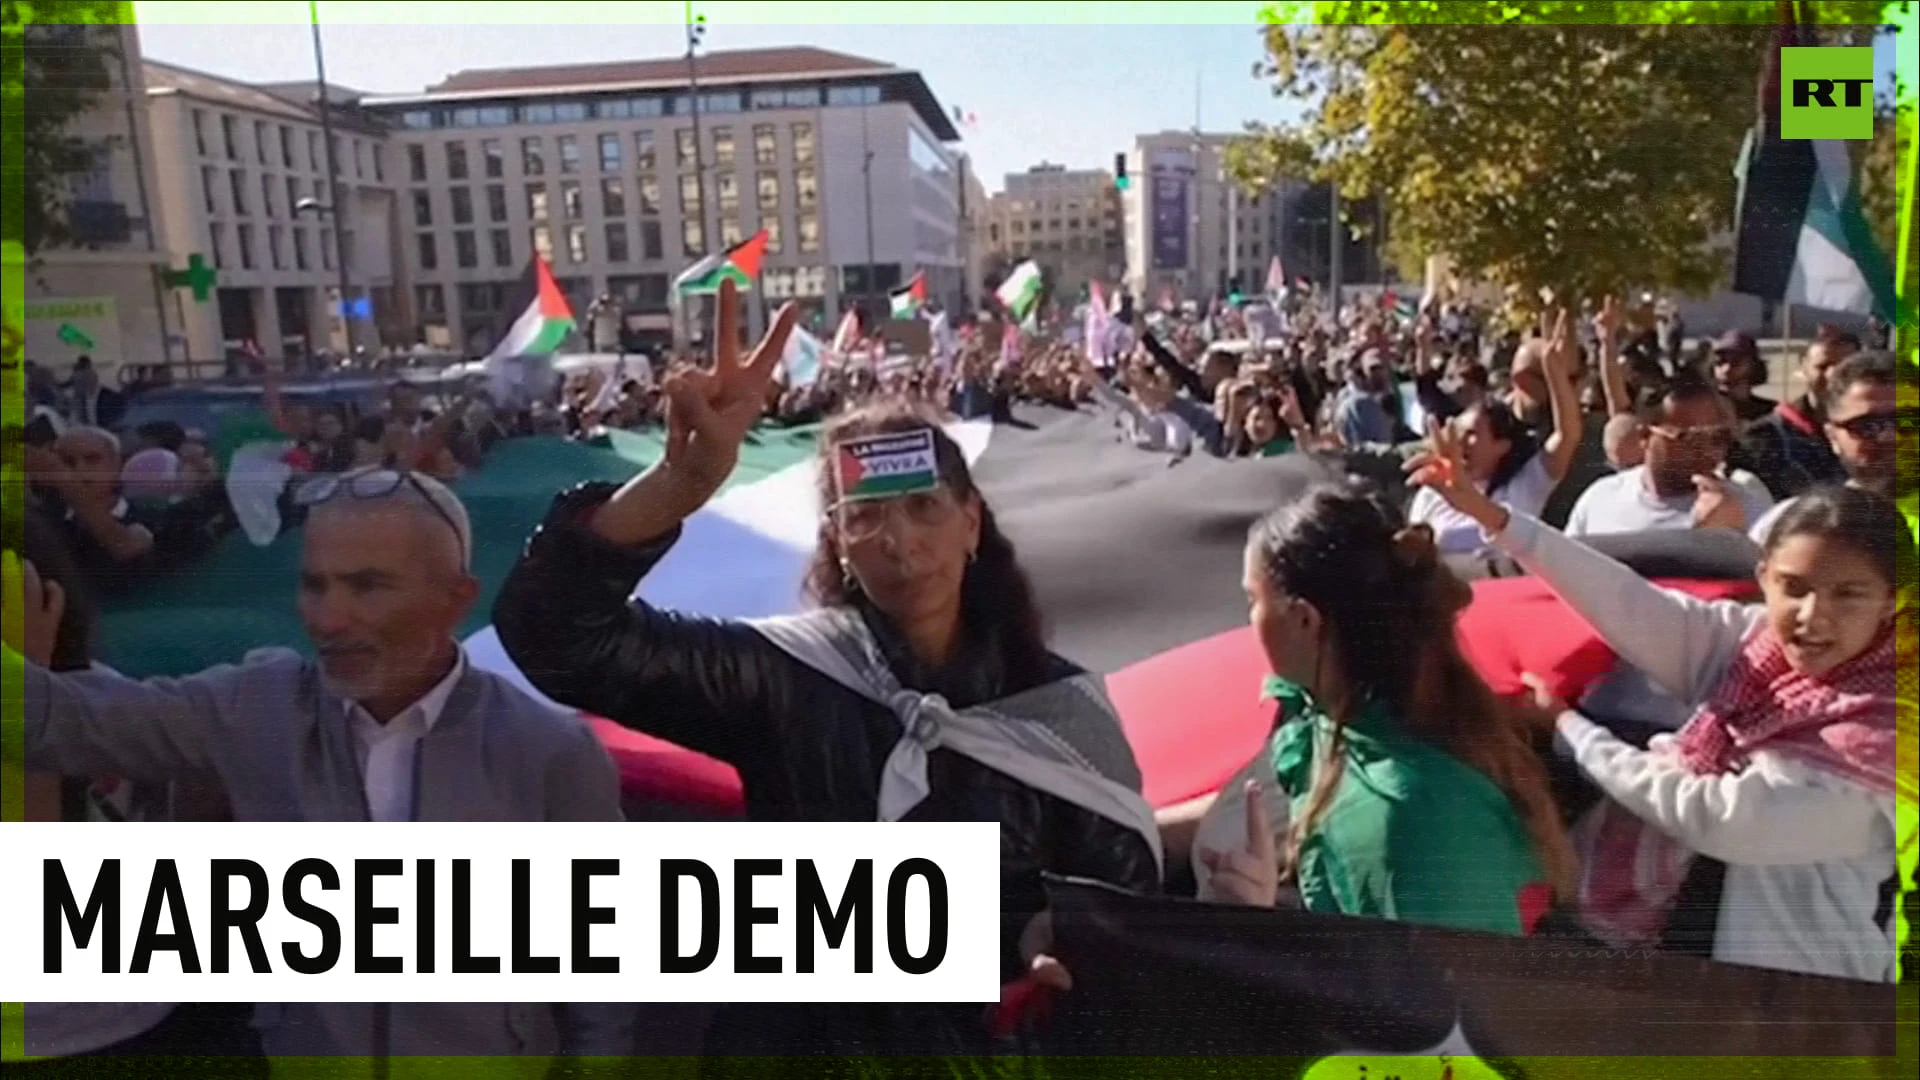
{"x":103,"y":295}
{"x":976,"y":245}
{"x":243,"y":180}
{"x":1067,"y":220}
{"x":610,"y":172}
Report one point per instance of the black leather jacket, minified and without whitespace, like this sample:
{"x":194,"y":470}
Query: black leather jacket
{"x":806,"y":748}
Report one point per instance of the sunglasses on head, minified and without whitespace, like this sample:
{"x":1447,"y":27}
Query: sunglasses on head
{"x":376,"y":484}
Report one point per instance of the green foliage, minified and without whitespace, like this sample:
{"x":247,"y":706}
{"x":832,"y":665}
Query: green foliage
{"x":1538,"y":144}
{"x":56,"y":66}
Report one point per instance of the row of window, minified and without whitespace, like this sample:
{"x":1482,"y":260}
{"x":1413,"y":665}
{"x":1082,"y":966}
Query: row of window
{"x":239,"y":192}
{"x":280,"y":254}
{"x":1018,"y":227}
{"x":1076,"y":245}
{"x":613,"y":198}
{"x":610,"y":150}
{"x":277,"y":143}
{"x":638,"y":293}
{"x":638,"y":107}
{"x":614,"y":235}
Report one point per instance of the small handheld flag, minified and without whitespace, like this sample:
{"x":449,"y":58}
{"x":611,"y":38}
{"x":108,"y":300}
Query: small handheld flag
{"x":908,"y":301}
{"x":741,"y":262}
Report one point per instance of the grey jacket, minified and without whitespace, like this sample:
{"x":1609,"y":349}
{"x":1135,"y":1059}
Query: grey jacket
{"x":279,"y":743}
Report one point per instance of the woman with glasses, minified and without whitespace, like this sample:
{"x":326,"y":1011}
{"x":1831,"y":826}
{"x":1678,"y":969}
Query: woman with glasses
{"x":920,"y":687}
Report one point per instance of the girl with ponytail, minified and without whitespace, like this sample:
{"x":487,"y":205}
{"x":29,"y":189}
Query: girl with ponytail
{"x":1410,"y":790}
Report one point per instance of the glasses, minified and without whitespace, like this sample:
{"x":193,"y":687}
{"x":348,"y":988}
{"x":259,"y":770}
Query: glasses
{"x":861,"y":520}
{"x":1881,"y":425}
{"x":1695,"y":436}
{"x":378,"y":484}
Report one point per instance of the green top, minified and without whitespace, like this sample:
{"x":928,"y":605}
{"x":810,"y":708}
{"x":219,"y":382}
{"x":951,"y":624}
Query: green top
{"x":1276,"y":446}
{"x":1412,"y":834}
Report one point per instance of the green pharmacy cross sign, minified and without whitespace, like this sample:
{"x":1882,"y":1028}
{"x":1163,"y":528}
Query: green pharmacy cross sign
{"x":71,"y":335}
{"x":198,"y":276}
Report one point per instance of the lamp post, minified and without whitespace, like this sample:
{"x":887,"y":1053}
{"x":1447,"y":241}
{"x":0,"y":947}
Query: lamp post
{"x":696,"y":30}
{"x":336,"y":210}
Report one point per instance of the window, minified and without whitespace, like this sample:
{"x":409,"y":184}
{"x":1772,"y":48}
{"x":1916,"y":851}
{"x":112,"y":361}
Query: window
{"x":725,"y":101}
{"x":642,"y":292}
{"x":616,"y":242}
{"x":537,"y":202}
{"x":730,"y":233}
{"x":729,"y":186}
{"x":326,"y":250}
{"x":569,"y":154}
{"x":320,"y":191}
{"x":543,"y":242}
{"x":1073,"y":224}
{"x":810,"y":281}
{"x":853,"y":95}
{"x":416,"y":163}
{"x":577,"y":243}
{"x":690,"y":195}
{"x":539,"y":113}
{"x":494,"y":158}
{"x":430,"y":299}
{"x":570,"y":201}
{"x":483,"y":297}
{"x":314,"y":160}
{"x":803,"y":144}
{"x":570,"y":112}
{"x":379,"y":163}
{"x":347,"y":248}
{"x":609,"y":153}
{"x":299,"y":248}
{"x":227,"y":138}
{"x":417,"y":119}
{"x":217,"y":241}
{"x":244,"y":234}
{"x":429,"y":253}
{"x":200,"y":131}
{"x":613,"y":197}
{"x":422,"y":208}
{"x":692,"y":237}
{"x":359,"y":159}
{"x":723,"y":147}
{"x":462,"y":206}
{"x":772,"y":225}
{"x":210,"y":179}
{"x":809,"y":233}
{"x":806,"y":188}
{"x":502,"y":242}
{"x":649,"y":194}
{"x":273,"y":246}
{"x":496,"y":202}
{"x":456,"y":161}
{"x":266,"y":196}
{"x":466,"y":250}
{"x":643,"y":155}
{"x":286,"y":146}
{"x":650,"y":246}
{"x":768,"y":185}
{"x":765,"y":152}
{"x":683,"y":148}
{"x":768,"y":98}
{"x":803,"y":97}
{"x":532,"y":162}
{"x":237,"y":181}
{"x":260,"y":140}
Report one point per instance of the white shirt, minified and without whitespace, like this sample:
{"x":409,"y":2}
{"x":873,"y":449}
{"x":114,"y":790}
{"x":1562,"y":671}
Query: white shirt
{"x":387,"y":751}
{"x":1625,"y":503}
{"x":1457,"y":534}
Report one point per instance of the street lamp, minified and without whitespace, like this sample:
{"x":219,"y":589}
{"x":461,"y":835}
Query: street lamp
{"x":311,"y":205}
{"x":333,"y":182}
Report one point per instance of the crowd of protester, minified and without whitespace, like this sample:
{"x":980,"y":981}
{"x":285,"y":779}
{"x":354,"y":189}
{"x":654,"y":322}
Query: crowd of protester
{"x":1396,"y":783}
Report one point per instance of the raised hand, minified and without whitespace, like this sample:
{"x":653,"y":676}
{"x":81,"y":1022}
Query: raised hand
{"x":35,"y":628}
{"x":1443,"y":467}
{"x":709,"y":412}
{"x":1250,"y":875}
{"x":1717,"y":506}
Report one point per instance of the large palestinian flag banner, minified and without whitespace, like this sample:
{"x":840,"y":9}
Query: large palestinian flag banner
{"x":1136,"y":562}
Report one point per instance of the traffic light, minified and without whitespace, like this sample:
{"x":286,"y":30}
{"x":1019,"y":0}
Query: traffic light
{"x":1120,"y":180}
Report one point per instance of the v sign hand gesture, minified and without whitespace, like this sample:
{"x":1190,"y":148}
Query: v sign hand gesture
{"x":709,"y":412}
{"x":1443,"y":467}
{"x":1251,"y":875}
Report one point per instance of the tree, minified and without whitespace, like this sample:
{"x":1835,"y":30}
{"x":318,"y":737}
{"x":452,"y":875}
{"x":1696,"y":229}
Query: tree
{"x":57,"y":66}
{"x":1536,"y":143}
{"x":1879,"y":164}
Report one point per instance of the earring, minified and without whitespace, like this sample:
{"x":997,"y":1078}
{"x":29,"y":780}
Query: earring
{"x":973,"y":556}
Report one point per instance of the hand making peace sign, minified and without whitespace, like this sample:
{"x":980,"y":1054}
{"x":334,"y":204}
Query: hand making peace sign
{"x":709,"y":411}
{"x":1250,"y":875}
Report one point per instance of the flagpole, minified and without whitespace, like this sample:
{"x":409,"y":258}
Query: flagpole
{"x":697,"y":28}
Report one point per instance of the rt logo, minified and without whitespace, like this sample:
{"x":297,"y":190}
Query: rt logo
{"x":1826,"y":93}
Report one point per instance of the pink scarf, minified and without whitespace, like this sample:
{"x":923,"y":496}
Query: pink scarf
{"x":1842,"y":722}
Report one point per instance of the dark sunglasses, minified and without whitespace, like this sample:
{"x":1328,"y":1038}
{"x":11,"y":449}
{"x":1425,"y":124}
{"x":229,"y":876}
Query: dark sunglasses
{"x":1880,"y":425}
{"x":377,"y":484}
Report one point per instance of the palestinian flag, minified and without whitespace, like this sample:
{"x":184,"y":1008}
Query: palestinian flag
{"x":1802,"y":237}
{"x":741,"y":263}
{"x":544,"y":320}
{"x":1020,"y":293}
{"x":907,"y":302}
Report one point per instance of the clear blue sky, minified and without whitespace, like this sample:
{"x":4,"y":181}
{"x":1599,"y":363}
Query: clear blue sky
{"x":1073,"y":95}
{"x":1065,"y":93}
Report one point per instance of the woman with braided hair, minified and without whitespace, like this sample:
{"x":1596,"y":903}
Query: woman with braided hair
{"x":1396,"y":784}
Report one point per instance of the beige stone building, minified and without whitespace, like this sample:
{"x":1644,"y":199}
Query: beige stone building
{"x":1067,"y":220}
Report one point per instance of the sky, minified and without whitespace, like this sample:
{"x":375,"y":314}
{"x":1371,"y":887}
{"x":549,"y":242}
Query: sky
{"x":1067,"y":94}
